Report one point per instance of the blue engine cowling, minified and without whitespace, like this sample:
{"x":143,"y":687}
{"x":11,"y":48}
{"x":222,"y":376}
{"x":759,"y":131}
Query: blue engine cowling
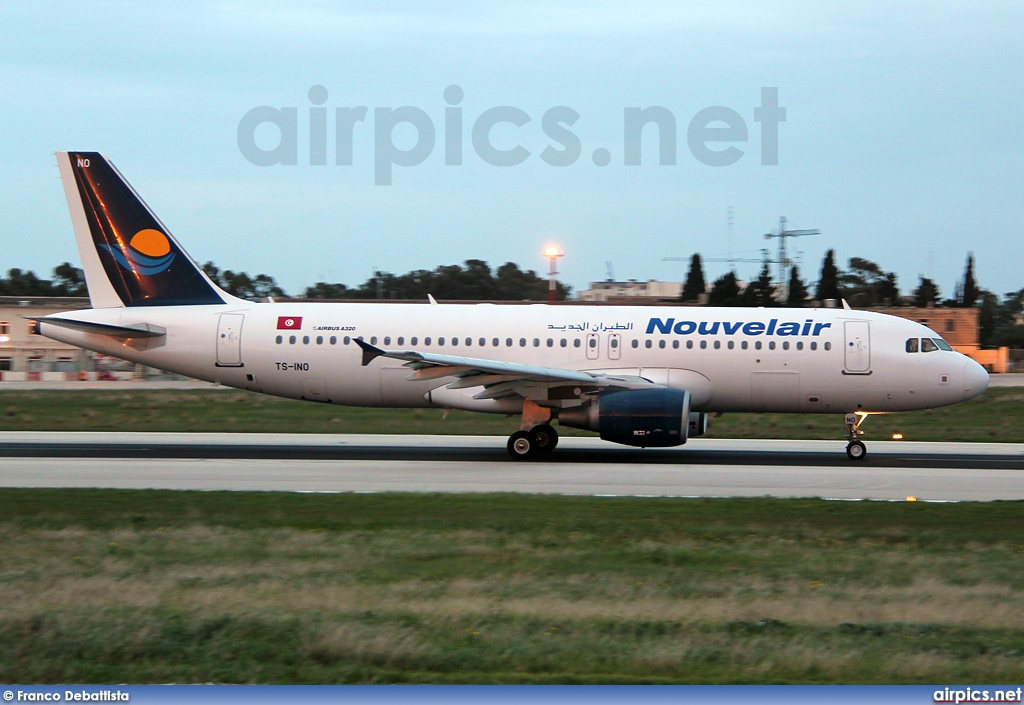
{"x":647,"y":418}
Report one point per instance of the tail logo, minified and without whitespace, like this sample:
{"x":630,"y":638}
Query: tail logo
{"x":148,"y":253}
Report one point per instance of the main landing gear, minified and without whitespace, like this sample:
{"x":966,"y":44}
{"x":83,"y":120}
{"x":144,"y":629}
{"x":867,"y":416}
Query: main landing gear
{"x":527,"y":444}
{"x":855,"y":449}
{"x":536,"y":435}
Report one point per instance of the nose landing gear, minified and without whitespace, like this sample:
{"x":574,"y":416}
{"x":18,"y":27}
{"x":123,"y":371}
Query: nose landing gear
{"x":855,"y":449}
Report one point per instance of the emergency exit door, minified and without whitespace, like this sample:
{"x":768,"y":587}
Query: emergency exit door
{"x":858,"y":347}
{"x":229,"y":340}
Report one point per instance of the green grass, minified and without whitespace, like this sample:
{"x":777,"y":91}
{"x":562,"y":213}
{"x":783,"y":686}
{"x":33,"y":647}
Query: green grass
{"x":995,"y":416}
{"x":155,"y":586}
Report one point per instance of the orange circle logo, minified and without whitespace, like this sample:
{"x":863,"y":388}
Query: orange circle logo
{"x":151,"y":243}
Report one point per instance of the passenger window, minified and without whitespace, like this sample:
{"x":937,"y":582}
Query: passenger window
{"x":346,"y":340}
{"x":280,"y":339}
{"x":536,"y":342}
{"x":483,"y":342}
{"x":469,"y":342}
{"x":703,"y":344}
{"x":373,"y":340}
{"x":647,"y":344}
{"x":636,"y":343}
{"x":334,"y":340}
{"x":732,"y":344}
{"x":757,"y":345}
{"x":814,"y":346}
{"x":593,"y":343}
{"x":387,"y":340}
{"x":576,"y":343}
{"x":508,"y":342}
{"x":291,"y":340}
{"x":744,"y":344}
{"x":785,"y":345}
{"x":305,"y":340}
{"x":440,"y":341}
{"x":771,"y":344}
{"x":564,"y":342}
{"x":551,"y":343}
{"x":675,"y":344}
{"x":319,"y":340}
{"x":928,"y":345}
{"x":414,"y":340}
{"x":799,"y":345}
{"x":401,"y":340}
{"x":495,"y":342}
{"x":661,"y":344}
{"x":689,"y":345}
{"x":828,"y":346}
{"x":718,"y":344}
{"x":522,"y":342}
{"x":426,"y":341}
{"x":455,"y":341}
{"x":912,"y":345}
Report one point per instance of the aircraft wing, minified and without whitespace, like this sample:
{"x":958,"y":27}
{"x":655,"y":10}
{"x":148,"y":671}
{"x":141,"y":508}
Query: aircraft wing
{"x":498,"y":378}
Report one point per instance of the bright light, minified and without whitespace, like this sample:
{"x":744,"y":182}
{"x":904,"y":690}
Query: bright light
{"x":897,"y":436}
{"x":552,"y":252}
{"x":4,"y":339}
{"x":911,"y":498}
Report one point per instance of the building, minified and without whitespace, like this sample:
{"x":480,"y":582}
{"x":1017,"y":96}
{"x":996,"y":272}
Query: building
{"x":26,"y":355}
{"x":632,"y":291}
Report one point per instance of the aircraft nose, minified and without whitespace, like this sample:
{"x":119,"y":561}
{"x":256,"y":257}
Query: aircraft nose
{"x":975,"y":379}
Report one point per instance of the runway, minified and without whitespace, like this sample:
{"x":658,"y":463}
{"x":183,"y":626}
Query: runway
{"x":387,"y":463}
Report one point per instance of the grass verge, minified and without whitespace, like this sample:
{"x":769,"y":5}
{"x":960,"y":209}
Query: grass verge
{"x":154,"y":586}
{"x":994,"y":416}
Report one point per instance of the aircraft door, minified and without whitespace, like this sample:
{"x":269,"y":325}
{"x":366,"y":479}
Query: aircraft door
{"x":614,"y":346}
{"x":593,"y":346}
{"x":229,"y":340}
{"x":858,"y":346}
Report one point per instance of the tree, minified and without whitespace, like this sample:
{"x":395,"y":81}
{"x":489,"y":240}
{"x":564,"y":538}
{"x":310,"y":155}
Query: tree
{"x":828,"y":284}
{"x":241,"y":284}
{"x":797,"y":295}
{"x":926,"y":294}
{"x":761,"y":291}
{"x":21,"y":283}
{"x":725,"y":291}
{"x":968,"y":289}
{"x":68,"y":280}
{"x":866,"y":284}
{"x":695,"y":286}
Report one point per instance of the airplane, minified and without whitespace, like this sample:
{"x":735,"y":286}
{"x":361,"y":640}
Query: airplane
{"x":638,"y":376}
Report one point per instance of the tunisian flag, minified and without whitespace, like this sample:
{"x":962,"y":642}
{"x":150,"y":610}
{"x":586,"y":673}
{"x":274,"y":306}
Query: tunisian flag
{"x":289,"y":322}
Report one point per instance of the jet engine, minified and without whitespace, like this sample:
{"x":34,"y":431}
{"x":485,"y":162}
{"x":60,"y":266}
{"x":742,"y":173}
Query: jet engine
{"x":648,"y":418}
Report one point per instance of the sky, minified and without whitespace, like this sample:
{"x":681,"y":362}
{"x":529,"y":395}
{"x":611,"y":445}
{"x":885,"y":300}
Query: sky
{"x":902,"y":139}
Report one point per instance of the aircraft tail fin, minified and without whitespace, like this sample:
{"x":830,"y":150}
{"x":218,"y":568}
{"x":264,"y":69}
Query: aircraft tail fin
{"x":129,"y":257}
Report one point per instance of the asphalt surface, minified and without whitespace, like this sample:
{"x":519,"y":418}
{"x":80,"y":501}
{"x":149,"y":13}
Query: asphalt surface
{"x":381,"y":463}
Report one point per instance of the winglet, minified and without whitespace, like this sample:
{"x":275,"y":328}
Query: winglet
{"x":370,"y":352}
{"x":846,"y":305}
{"x":432,"y":300}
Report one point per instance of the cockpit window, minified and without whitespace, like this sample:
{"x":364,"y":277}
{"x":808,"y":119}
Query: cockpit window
{"x":928,"y":345}
{"x":943,"y":345}
{"x":911,"y":344}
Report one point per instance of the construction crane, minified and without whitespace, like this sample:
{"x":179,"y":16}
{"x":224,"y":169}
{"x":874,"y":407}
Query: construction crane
{"x":783,"y":259}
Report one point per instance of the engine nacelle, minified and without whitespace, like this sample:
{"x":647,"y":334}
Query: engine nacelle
{"x":648,"y":418}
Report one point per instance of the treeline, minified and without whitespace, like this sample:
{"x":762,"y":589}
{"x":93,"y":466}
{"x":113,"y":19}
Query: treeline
{"x":474,"y":281}
{"x":68,"y":280}
{"x":865,"y":284}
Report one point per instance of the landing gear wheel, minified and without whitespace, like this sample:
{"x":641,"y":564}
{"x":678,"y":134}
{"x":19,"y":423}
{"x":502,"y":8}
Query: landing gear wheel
{"x":545,"y":437}
{"x":856,"y":450}
{"x":521,"y":445}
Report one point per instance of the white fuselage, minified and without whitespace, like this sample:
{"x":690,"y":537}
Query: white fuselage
{"x":730,"y":359}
